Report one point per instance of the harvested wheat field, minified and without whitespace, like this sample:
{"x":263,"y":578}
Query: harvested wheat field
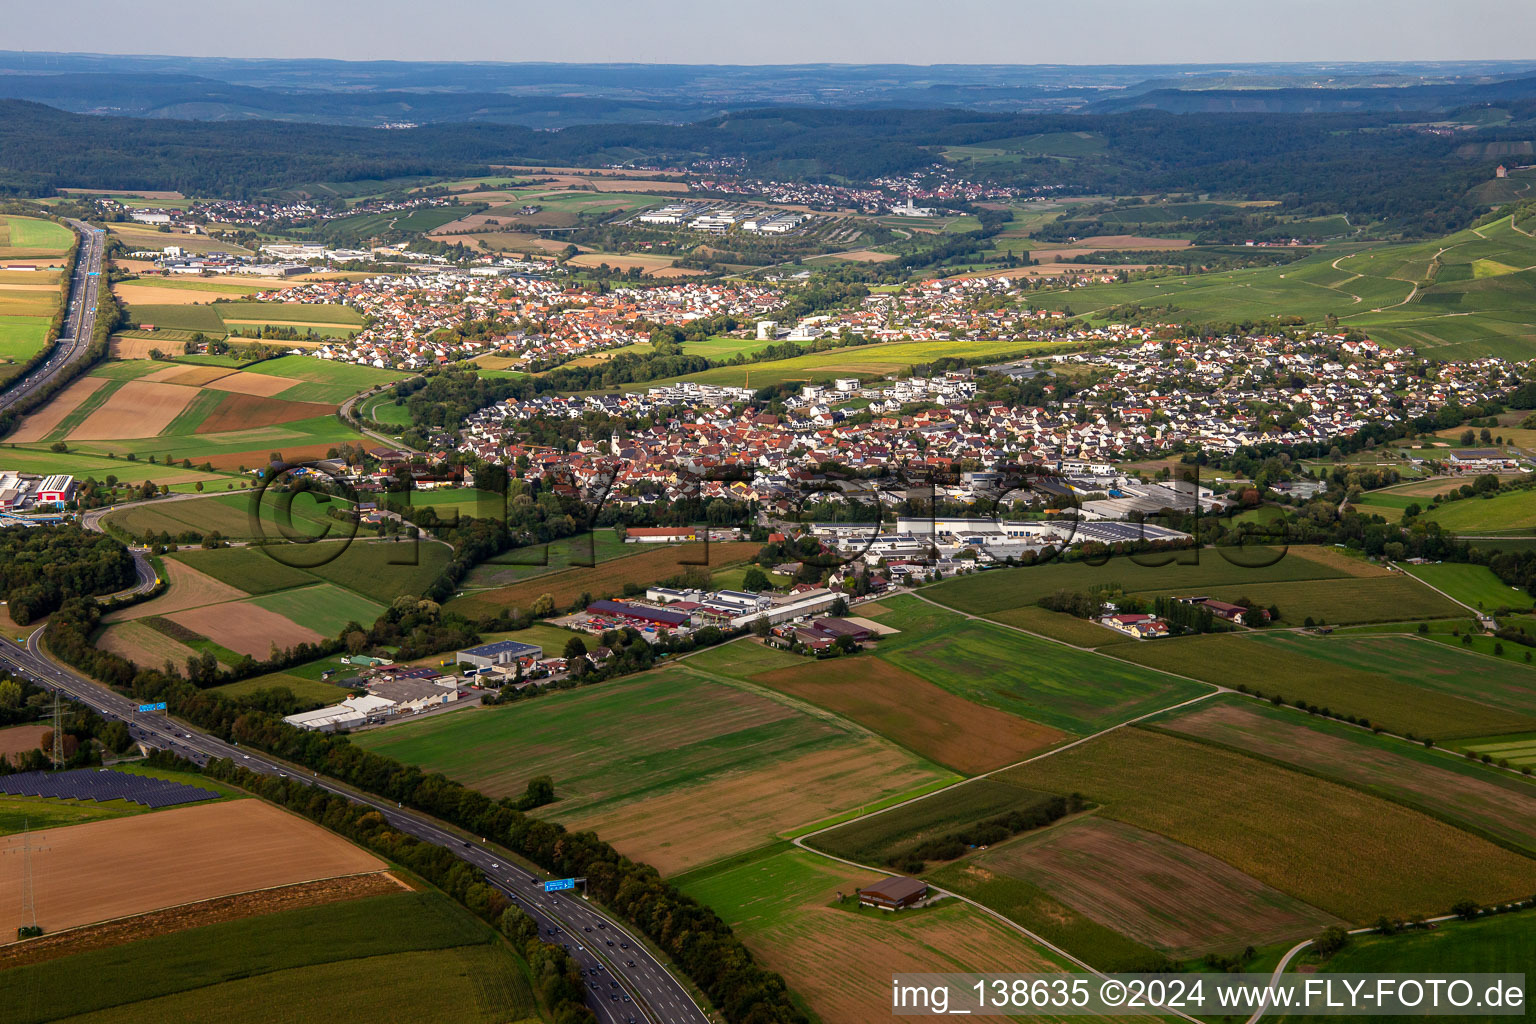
{"x":653,"y":266}
{"x":109,"y":869}
{"x":135,"y":348}
{"x":245,"y":628}
{"x":157,"y":295}
{"x":1156,"y":891}
{"x":18,"y":739}
{"x":907,"y":709}
{"x":1131,"y":242}
{"x":245,"y":412}
{"x":243,"y":382}
{"x":866,"y":256}
{"x":253,"y":457}
{"x":839,"y":959}
{"x":137,"y":409}
{"x":143,"y":645}
{"x":187,"y":376}
{"x":698,"y":824}
{"x":42,"y":423}
{"x":188,"y":589}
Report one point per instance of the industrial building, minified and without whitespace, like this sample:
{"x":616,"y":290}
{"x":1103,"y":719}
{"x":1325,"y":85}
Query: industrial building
{"x":502,"y":652}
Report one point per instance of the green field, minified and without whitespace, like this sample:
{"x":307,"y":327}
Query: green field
{"x":674,"y":769}
{"x":21,"y":813}
{"x":329,"y":381}
{"x":178,"y":316}
{"x":1468,"y":309}
{"x":21,"y":338}
{"x":1513,"y":511}
{"x":1473,"y":585}
{"x":655,"y":733}
{"x":230,"y":514}
{"x":885,"y":837}
{"x":377,"y":571}
{"x":839,"y":959}
{"x":1035,"y":679}
{"x":383,"y":409}
{"x":525,"y":563}
{"x":82,"y":465}
{"x":1519,"y":751}
{"x":32,"y":236}
{"x":1352,"y":854}
{"x":721,"y":346}
{"x":411,"y":956}
{"x":1407,"y":685}
{"x":290,"y":312}
{"x":305,"y":689}
{"x":126,"y":369}
{"x":1489,"y":944}
{"x":325,"y":608}
{"x":1469,"y":795}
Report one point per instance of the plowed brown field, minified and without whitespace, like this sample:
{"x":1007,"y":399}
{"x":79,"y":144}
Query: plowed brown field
{"x":137,"y":409}
{"x":245,"y":412}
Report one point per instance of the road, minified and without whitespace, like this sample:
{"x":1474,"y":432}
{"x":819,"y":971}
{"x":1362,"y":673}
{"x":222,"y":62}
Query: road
{"x":624,"y":984}
{"x":79,"y":319}
{"x":345,"y":412}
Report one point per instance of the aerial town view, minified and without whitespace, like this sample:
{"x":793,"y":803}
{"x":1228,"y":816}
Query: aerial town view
{"x":872,"y":511}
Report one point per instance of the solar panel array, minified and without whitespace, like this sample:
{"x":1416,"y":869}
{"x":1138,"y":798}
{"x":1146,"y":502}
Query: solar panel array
{"x":92,"y":784}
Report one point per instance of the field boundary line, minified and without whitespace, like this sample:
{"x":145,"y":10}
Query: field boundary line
{"x":208,"y":899}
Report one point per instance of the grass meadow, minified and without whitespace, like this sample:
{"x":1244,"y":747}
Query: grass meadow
{"x":672,"y":768}
{"x":1489,"y":944}
{"x":1045,"y":682}
{"x":1473,"y":585}
{"x":407,"y":956}
{"x":1405,"y":684}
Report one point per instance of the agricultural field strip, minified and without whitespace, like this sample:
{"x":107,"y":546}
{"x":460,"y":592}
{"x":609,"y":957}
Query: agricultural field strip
{"x":800,"y":841}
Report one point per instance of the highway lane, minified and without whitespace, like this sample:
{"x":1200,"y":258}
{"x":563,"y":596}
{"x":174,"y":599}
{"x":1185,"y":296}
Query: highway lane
{"x":79,"y":318}
{"x":655,"y":996}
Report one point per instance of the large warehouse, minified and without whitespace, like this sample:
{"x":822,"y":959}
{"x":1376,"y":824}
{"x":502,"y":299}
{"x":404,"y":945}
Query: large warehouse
{"x":502,"y":652}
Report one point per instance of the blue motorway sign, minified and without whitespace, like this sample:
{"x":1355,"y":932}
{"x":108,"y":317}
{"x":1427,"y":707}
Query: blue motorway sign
{"x":560,"y":885}
{"x":152,"y":707}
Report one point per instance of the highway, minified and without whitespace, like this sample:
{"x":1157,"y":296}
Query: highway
{"x":625,"y":983}
{"x":79,"y":319}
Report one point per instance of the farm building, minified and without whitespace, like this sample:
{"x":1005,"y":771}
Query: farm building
{"x":894,"y":893}
{"x":502,"y":652}
{"x":842,"y":627}
{"x":1142,"y":627}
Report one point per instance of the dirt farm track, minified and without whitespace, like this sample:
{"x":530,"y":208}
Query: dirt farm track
{"x":109,"y":869}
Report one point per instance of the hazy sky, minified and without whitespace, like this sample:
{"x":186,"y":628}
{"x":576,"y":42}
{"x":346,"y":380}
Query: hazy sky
{"x":787,"y":31}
